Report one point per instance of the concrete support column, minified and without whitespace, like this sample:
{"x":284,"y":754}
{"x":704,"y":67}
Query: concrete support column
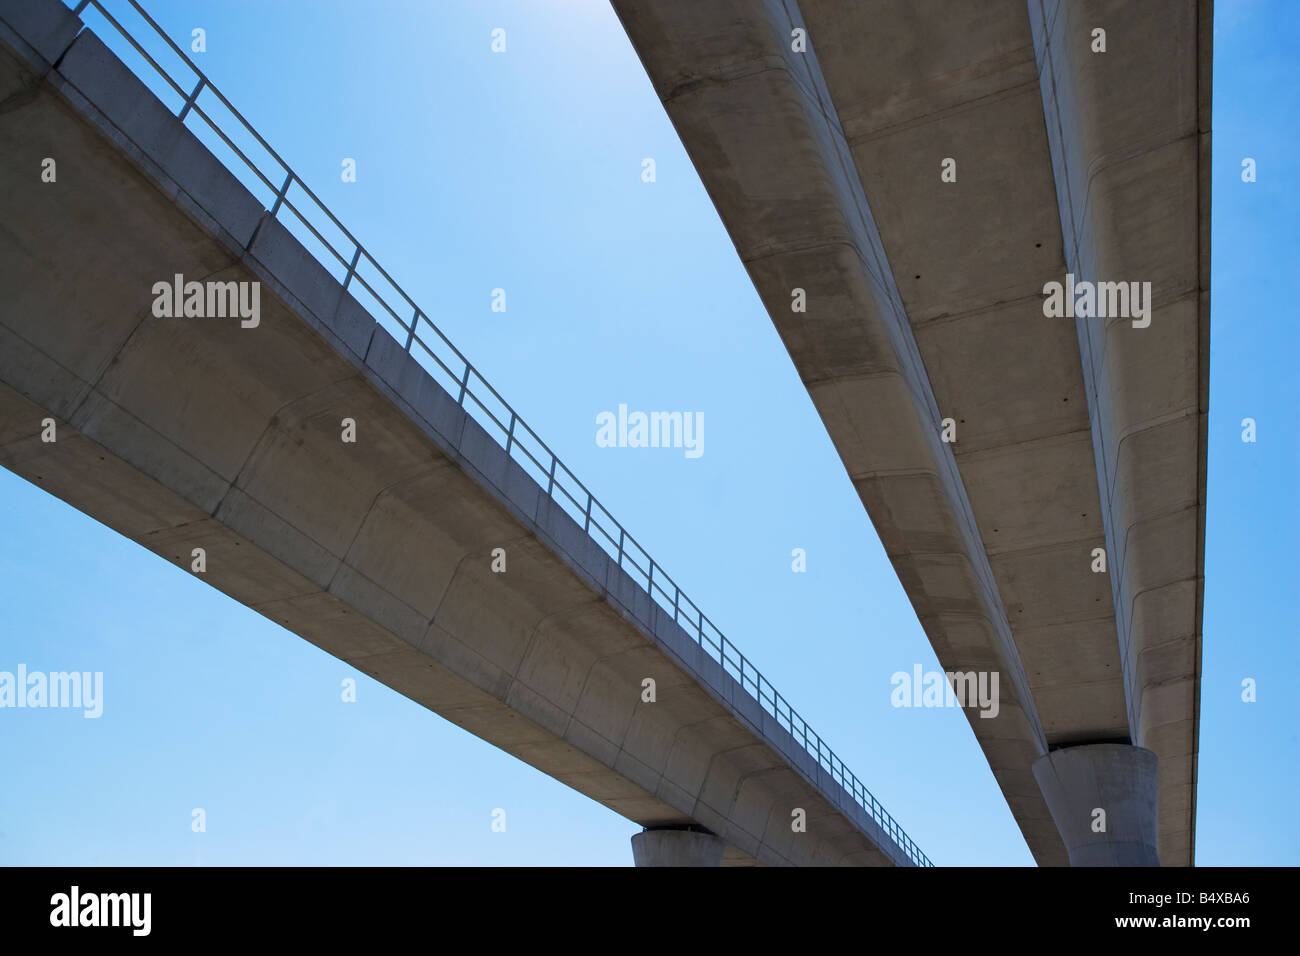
{"x":677,"y":846}
{"x":1103,"y":800}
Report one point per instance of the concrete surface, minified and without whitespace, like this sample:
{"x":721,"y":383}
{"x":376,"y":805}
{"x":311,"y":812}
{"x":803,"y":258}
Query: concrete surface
{"x":184,"y":433}
{"x":676,"y":847}
{"x":925,"y":302}
{"x":1132,"y":176}
{"x":1103,"y":798}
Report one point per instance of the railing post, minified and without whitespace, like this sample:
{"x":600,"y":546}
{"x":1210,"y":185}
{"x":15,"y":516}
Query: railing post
{"x":352,"y":267}
{"x":191,"y":98}
{"x":510,"y":434}
{"x":550,"y":482}
{"x":464,"y":385}
{"x":279,"y":197}
{"x":622,"y":534}
{"x":586,"y":526}
{"x":410,"y":333}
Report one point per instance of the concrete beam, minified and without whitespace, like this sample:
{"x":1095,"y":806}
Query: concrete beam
{"x":1129,"y":131}
{"x":1071,"y":437}
{"x":759,"y":122}
{"x":186,"y":432}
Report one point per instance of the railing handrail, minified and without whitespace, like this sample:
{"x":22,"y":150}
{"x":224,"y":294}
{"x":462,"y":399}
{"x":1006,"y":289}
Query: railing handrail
{"x":653,"y":573}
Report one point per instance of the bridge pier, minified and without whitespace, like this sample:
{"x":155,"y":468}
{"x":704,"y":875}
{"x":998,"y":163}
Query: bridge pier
{"x":677,"y":846}
{"x":1102,"y":798}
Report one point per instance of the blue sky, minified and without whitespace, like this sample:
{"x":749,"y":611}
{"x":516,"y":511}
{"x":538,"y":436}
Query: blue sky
{"x":522,"y":171}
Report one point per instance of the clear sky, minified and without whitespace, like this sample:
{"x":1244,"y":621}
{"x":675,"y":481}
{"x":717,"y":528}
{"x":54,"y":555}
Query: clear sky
{"x":522,"y":171}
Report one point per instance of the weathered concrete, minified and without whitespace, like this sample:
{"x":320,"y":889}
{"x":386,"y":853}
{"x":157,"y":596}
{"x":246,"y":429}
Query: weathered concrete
{"x":674,"y":846}
{"x":758,"y":122}
{"x":185,"y":433}
{"x":925,"y":301}
{"x":1103,"y":799}
{"x":1132,"y":175}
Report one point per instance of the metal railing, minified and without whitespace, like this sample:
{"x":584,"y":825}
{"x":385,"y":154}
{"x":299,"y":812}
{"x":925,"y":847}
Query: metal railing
{"x":515,"y":435}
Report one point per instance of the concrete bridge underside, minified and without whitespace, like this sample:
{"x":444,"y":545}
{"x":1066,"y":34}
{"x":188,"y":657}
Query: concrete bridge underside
{"x":925,"y":302}
{"x":198,"y":433}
